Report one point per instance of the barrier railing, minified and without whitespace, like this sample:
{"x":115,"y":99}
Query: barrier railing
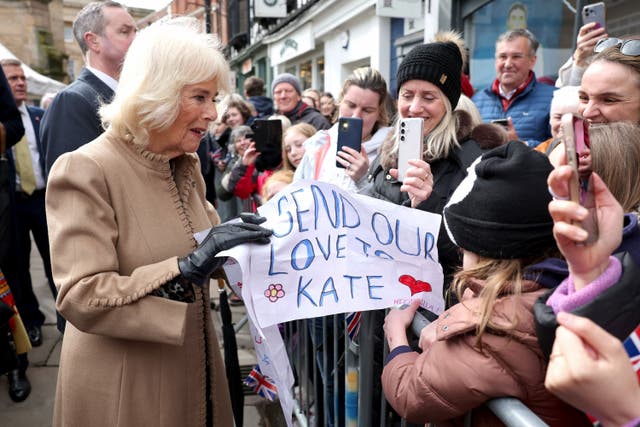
{"x":338,"y":380}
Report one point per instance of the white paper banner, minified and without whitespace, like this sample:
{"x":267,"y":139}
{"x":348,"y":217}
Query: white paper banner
{"x":334,"y":252}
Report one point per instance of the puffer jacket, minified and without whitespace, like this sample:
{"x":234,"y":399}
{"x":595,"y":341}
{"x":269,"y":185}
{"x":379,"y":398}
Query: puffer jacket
{"x":455,"y":376}
{"x":529,"y":111}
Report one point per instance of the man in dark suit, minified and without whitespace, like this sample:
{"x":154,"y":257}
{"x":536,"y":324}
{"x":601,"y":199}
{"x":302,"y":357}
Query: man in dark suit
{"x":12,"y":266}
{"x":26,"y":162}
{"x":104,"y":31}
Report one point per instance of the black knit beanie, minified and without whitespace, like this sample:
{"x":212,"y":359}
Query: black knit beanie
{"x":439,"y":63}
{"x":500,"y":210}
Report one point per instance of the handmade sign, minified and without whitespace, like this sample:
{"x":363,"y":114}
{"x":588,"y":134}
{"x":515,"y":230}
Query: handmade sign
{"x":334,"y":252}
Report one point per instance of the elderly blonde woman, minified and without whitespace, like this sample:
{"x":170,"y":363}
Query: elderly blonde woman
{"x":139,"y":347}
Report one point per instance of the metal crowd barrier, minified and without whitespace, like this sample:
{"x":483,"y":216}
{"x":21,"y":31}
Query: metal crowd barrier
{"x":337,"y":382}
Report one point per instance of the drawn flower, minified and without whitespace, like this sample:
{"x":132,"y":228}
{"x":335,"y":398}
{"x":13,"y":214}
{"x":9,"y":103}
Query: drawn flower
{"x":274,"y":292}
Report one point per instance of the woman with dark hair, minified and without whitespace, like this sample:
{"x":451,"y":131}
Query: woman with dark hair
{"x":237,"y":111}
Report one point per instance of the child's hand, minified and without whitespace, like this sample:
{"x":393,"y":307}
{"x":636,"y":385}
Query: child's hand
{"x":427,"y":336}
{"x":250,"y":155}
{"x":586,"y":262}
{"x":396,"y":324}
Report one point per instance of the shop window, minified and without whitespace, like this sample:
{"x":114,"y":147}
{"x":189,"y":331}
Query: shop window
{"x":320,"y":73}
{"x":306,"y":74}
{"x":238,"y":23}
{"x":68,"y":34}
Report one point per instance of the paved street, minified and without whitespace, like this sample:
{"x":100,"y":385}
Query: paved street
{"x":37,"y":410}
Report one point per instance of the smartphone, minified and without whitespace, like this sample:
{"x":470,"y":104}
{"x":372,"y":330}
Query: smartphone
{"x":501,"y":122}
{"x":409,"y":143}
{"x":267,"y":135}
{"x":595,"y":12}
{"x":575,"y":135}
{"x":349,"y":134}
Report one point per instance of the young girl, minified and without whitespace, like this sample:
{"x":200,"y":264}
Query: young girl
{"x":485,"y":346}
{"x":292,"y":144}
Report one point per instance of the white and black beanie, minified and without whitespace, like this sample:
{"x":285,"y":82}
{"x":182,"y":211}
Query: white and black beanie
{"x":500,"y":210}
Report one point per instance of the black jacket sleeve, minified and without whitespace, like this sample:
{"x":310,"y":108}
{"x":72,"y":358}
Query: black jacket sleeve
{"x":9,"y":114}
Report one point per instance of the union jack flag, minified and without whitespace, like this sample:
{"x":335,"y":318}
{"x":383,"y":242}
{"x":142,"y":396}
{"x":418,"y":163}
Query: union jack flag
{"x":261,"y":384}
{"x":353,"y":324}
{"x":632,"y":345}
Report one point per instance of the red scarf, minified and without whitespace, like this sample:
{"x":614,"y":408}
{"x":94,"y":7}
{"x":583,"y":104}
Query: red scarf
{"x":495,"y":88}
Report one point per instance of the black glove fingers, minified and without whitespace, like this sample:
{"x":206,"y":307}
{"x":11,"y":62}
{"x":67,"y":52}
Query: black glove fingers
{"x":251,"y":218}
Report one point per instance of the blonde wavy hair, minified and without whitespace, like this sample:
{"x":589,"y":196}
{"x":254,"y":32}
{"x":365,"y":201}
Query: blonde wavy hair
{"x":499,"y":277}
{"x":163,"y":59}
{"x":615,"y":151}
{"x":437,"y":144}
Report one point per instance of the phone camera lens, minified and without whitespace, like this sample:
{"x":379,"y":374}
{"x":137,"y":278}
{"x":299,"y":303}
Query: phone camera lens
{"x":402,"y":138}
{"x":402,"y":124}
{"x":402,"y":131}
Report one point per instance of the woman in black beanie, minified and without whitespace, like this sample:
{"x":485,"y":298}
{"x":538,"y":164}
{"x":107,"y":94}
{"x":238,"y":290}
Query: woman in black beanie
{"x":429,"y":88}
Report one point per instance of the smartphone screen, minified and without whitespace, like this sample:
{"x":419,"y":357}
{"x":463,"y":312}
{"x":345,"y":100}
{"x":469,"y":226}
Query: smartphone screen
{"x":349,"y":134}
{"x":267,"y":134}
{"x":409,"y":143}
{"x":577,"y":148}
{"x":501,"y":122}
{"x":595,"y":12}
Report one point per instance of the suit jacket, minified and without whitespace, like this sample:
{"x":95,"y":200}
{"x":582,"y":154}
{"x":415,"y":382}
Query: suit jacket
{"x":72,"y":118}
{"x":35,"y":114}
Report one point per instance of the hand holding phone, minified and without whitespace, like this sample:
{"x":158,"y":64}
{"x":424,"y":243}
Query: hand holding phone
{"x":349,"y":135}
{"x":575,"y":135}
{"x":409,"y":139}
{"x":595,"y":12}
{"x":267,"y":135}
{"x":501,"y":122}
{"x":586,"y":261}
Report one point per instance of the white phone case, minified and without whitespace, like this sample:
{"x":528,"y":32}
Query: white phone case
{"x":409,"y":143}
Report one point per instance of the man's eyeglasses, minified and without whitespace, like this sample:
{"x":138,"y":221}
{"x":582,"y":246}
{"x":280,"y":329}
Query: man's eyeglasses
{"x":629,"y":47}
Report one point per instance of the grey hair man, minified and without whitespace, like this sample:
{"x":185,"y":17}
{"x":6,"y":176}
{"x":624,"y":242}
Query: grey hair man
{"x":104,"y":31}
{"x":515,"y":94}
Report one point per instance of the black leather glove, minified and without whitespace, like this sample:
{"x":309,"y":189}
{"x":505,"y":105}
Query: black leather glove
{"x":198,"y":266}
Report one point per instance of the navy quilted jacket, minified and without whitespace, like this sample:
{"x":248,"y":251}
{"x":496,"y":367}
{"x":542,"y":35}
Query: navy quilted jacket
{"x":529,"y":111}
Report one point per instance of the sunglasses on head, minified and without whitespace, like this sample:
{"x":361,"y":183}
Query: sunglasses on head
{"x":629,"y":47}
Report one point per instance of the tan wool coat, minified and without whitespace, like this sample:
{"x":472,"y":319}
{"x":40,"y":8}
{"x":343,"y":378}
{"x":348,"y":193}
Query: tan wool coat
{"x":118,"y":219}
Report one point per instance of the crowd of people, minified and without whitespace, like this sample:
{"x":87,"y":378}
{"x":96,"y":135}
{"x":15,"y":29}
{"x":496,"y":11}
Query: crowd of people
{"x":150,"y":146}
